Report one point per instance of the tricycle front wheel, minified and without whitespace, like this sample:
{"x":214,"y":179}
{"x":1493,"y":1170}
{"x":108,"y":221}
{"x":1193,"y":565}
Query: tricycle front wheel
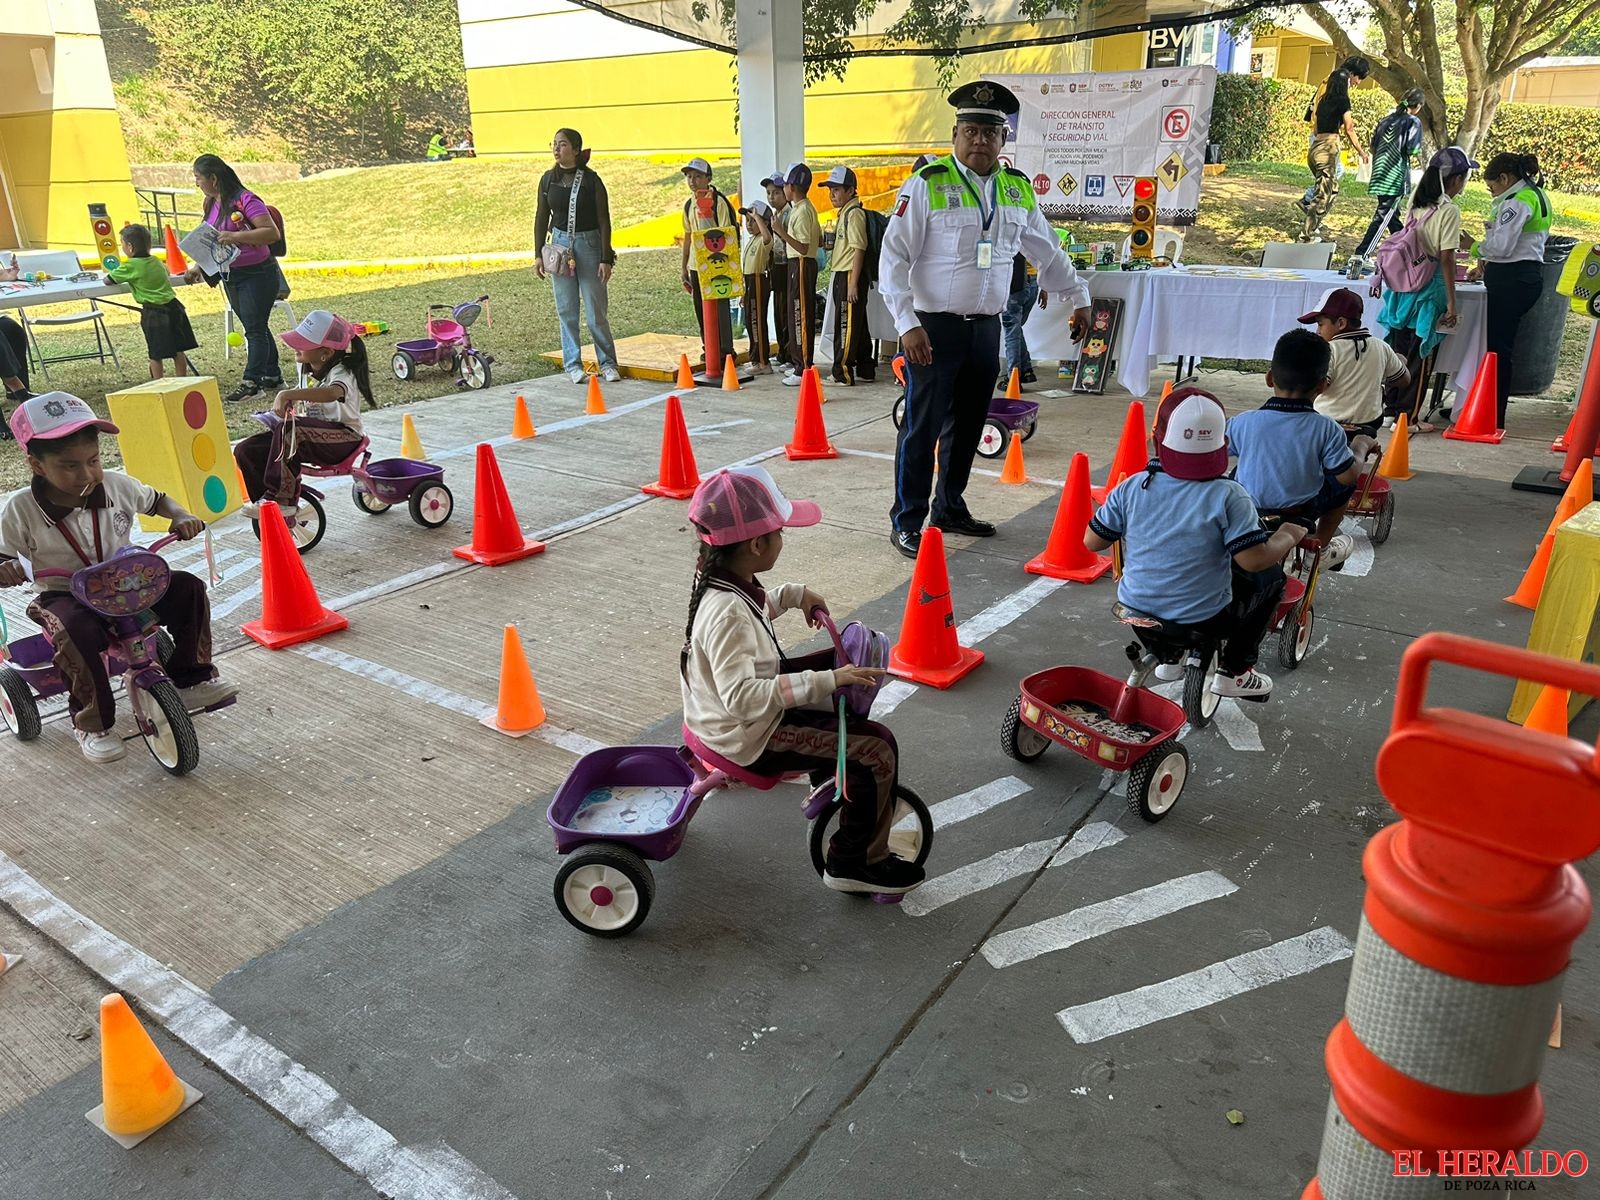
{"x":1294,"y":638}
{"x":168,"y":730}
{"x":1156,"y":781}
{"x":1199,"y":701}
{"x":475,"y":370}
{"x":899,"y":412}
{"x":1384,"y":521}
{"x":1019,"y":741}
{"x":605,"y":890}
{"x":17,"y":706}
{"x":910,"y":829}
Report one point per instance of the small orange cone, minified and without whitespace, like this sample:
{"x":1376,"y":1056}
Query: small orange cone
{"x":595,"y":403}
{"x":928,"y":650}
{"x":521,"y":422}
{"x":1014,"y":471}
{"x":679,"y":476}
{"x":139,"y":1091}
{"x":730,"y":375}
{"x":810,"y":433}
{"x":1065,"y":556}
{"x":1549,"y":712}
{"x":1528,"y":591}
{"x":410,"y":443}
{"x":496,"y":533}
{"x":1477,"y":419}
{"x":1166,"y":390}
{"x":520,"y":711}
{"x":822,"y":396}
{"x":1579,"y":494}
{"x":291,"y":613}
{"x":1133,"y":450}
{"x":685,"y":375}
{"x":175,"y":260}
{"x":1014,"y":385}
{"x":1396,"y":461}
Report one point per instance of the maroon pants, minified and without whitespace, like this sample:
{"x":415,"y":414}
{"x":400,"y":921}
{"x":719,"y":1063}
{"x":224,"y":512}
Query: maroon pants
{"x":270,"y":462}
{"x":80,"y":636}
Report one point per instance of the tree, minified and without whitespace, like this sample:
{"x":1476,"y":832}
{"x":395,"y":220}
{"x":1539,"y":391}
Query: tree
{"x":1585,"y":39}
{"x":1494,"y":40}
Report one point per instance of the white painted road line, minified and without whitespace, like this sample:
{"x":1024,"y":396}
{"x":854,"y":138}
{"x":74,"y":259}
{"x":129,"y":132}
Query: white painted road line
{"x":1002,"y":612}
{"x":1008,"y":864}
{"x":890,"y":697}
{"x":979,"y":800}
{"x":1055,"y":483}
{"x":307,"y":1101}
{"x":1107,"y":916}
{"x":1181,"y":994}
{"x":1096,"y":835}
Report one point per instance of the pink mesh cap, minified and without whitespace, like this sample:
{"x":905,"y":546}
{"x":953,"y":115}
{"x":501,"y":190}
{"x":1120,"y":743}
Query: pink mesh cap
{"x":741,"y":503}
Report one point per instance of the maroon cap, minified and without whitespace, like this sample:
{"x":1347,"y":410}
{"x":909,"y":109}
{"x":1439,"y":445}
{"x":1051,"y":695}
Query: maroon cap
{"x":1336,"y":303}
{"x":1190,"y":435}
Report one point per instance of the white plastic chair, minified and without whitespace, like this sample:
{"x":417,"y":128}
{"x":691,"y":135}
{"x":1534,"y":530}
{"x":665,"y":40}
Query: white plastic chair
{"x":63,"y":264}
{"x":228,"y":320}
{"x":1300,"y":256}
{"x":1169,"y":245}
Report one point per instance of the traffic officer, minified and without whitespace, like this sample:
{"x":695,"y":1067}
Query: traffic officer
{"x":945,"y":274}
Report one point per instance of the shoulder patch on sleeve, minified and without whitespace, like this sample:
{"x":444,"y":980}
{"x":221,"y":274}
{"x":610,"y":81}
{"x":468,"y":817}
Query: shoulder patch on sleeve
{"x":1005,"y":170}
{"x":932,"y":171}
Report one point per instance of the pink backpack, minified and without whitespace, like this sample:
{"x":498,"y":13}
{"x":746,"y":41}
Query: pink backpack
{"x":1403,"y":264}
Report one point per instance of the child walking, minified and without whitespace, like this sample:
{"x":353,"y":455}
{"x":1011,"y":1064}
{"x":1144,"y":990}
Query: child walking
{"x":755,"y":706}
{"x":162,"y":317}
{"x":321,"y":424}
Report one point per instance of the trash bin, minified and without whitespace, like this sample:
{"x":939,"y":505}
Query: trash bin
{"x":1539,"y":336}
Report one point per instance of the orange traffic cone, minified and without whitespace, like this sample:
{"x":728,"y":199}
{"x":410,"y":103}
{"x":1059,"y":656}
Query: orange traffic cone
{"x":520,"y":711}
{"x":679,"y":476}
{"x":1133,"y":450}
{"x":810,"y":433}
{"x":175,"y":260}
{"x":496,"y":533}
{"x":822,"y":396}
{"x":139,"y":1091}
{"x":1528,"y":591}
{"x":1579,"y":494}
{"x":1065,"y":556}
{"x":1166,"y":390}
{"x":1396,"y":461}
{"x":730,"y":375}
{"x":1559,"y":446}
{"x":685,"y":375}
{"x":898,"y":365}
{"x":1549,"y":712}
{"x":1014,"y":385}
{"x":410,"y":443}
{"x":521,"y":422}
{"x":595,"y":403}
{"x":1014,"y":471}
{"x":928,"y":650}
{"x":8,"y":960}
{"x":290,"y":610}
{"x":1477,"y":419}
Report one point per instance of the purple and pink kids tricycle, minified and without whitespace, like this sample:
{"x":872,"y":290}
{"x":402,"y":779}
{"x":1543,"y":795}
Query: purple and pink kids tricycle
{"x":623,"y":805}
{"x":1006,"y":418}
{"x":122,"y":589}
{"x":448,"y":345}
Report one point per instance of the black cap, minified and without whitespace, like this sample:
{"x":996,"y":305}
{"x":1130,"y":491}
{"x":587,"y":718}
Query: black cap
{"x":984,"y":102}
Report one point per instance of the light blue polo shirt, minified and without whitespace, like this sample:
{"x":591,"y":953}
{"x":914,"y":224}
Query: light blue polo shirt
{"x":1178,"y":538}
{"x":1286,"y":451}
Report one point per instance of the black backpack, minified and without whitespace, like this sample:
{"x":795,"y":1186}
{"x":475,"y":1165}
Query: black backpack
{"x":877,"y":224}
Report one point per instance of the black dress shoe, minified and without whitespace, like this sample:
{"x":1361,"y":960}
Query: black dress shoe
{"x":907,"y":543}
{"x":968,"y":525}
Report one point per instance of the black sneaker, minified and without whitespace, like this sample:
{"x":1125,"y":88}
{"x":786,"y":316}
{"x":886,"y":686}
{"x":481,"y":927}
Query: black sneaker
{"x":1029,"y":377}
{"x":270,"y":385}
{"x":246,"y":389}
{"x":894,"y":876}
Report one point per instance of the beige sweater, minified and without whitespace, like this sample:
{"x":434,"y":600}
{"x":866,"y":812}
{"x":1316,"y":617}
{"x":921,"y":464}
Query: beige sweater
{"x":733,"y":696}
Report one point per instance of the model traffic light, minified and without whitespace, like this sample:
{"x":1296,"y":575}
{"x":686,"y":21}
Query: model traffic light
{"x":100,"y":221}
{"x":1141,"y":242}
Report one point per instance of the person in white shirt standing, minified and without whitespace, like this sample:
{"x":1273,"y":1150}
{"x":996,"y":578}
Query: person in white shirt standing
{"x":945,"y":275}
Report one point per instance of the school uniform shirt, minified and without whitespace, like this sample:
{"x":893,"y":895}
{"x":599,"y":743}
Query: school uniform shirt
{"x":755,"y":254}
{"x":32,"y":525}
{"x":803,"y":227}
{"x":146,"y":278}
{"x":1441,"y":227}
{"x":849,"y":237}
{"x":1286,"y":449}
{"x":1178,"y":539}
{"x":733,"y":695}
{"x":780,"y":248}
{"x":346,"y":410}
{"x":722,"y":214}
{"x":1361,"y":367}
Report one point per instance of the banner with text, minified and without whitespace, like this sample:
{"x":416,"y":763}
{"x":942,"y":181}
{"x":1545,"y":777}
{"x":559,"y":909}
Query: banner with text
{"x":1084,"y":139}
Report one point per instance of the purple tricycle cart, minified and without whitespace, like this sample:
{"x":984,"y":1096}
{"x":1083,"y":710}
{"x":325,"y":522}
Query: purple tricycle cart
{"x":623,"y":805}
{"x":448,"y":346}
{"x":122,"y":590}
{"x":1006,"y":418}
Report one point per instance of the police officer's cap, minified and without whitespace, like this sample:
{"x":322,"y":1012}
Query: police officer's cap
{"x":984,"y":102}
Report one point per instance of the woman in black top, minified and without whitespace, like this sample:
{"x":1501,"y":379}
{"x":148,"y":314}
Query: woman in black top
{"x":578,"y":258}
{"x":1330,"y":117}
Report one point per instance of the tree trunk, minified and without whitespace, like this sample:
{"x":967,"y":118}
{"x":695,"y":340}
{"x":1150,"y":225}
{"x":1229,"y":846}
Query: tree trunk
{"x":1483,"y":101}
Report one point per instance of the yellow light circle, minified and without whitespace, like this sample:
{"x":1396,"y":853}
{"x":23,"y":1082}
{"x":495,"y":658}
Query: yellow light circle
{"x":204,"y":451}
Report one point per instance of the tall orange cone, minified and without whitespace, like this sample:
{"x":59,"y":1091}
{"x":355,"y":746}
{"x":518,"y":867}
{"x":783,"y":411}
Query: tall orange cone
{"x":1396,"y":461}
{"x":1549,"y":712}
{"x":291,"y":613}
{"x":1528,"y":591}
{"x":594,"y":404}
{"x":1065,"y":556}
{"x":521,"y":422}
{"x":685,"y":375}
{"x":1579,"y":494}
{"x":928,"y":650}
{"x":1014,"y":385}
{"x":810,"y":433}
{"x":1477,"y":419}
{"x":730,"y":375}
{"x":520,"y":711}
{"x":679,"y":476}
{"x":410,"y":443}
{"x":496,"y":533}
{"x":1133,"y":450}
{"x":175,"y":260}
{"x":139,"y":1091}
{"x":1014,"y":471}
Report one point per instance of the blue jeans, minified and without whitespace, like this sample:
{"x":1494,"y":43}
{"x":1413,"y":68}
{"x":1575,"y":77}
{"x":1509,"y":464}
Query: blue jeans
{"x":251,"y":292}
{"x":1011,"y":322}
{"x":587,"y":284}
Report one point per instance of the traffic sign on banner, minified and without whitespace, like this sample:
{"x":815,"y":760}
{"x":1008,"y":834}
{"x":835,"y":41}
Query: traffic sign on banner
{"x":1123,"y":182}
{"x":1172,"y":171}
{"x":1067,"y":184}
{"x":1175,"y":123}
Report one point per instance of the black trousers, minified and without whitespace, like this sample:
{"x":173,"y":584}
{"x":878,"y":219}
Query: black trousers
{"x":782,"y":314}
{"x":756,"y":296}
{"x":1513,"y":288}
{"x":946,"y":403}
{"x":1241,"y":625}
{"x":802,"y":311}
{"x":724,"y":325}
{"x":13,"y":351}
{"x":1390,"y":205}
{"x":852,"y":342}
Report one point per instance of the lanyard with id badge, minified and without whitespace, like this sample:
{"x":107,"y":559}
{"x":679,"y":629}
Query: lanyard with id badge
{"x":985,"y":246}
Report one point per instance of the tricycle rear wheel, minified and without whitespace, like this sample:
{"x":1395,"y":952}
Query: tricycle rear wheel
{"x":431,"y":505}
{"x":403,"y":365}
{"x":605,"y":890}
{"x":366,"y":501}
{"x":992,"y":441}
{"x":1019,"y":741}
{"x":910,"y":831}
{"x":899,"y":412}
{"x":17,"y":705}
{"x":1028,"y":432}
{"x":1156,"y":781}
{"x":1199,"y":701}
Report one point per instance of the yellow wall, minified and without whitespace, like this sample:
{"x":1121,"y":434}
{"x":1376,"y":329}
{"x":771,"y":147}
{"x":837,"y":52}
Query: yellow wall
{"x":1125,"y":52}
{"x":1577,"y":85}
{"x":1299,"y":57}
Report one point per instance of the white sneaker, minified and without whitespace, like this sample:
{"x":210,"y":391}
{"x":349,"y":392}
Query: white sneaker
{"x":1252,"y":685}
{"x":791,"y":380}
{"x":1169,"y":672}
{"x":100,"y":747}
{"x":611,"y":374}
{"x":207,"y":694}
{"x":1339,"y":548}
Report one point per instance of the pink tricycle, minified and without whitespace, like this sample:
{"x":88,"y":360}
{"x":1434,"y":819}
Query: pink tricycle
{"x":448,"y":345}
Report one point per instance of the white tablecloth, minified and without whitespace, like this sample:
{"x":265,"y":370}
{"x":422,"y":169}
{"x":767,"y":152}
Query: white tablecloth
{"x":62,"y":291}
{"x":879,"y":323}
{"x":1231,"y":313}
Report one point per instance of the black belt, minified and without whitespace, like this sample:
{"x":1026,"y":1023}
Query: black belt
{"x":961,"y":316}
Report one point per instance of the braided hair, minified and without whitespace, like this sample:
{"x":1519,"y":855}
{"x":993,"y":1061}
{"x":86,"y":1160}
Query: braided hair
{"x":711,"y":558}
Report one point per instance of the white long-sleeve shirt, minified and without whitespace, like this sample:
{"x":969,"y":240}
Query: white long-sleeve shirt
{"x":929,"y":260}
{"x":1507,"y":239}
